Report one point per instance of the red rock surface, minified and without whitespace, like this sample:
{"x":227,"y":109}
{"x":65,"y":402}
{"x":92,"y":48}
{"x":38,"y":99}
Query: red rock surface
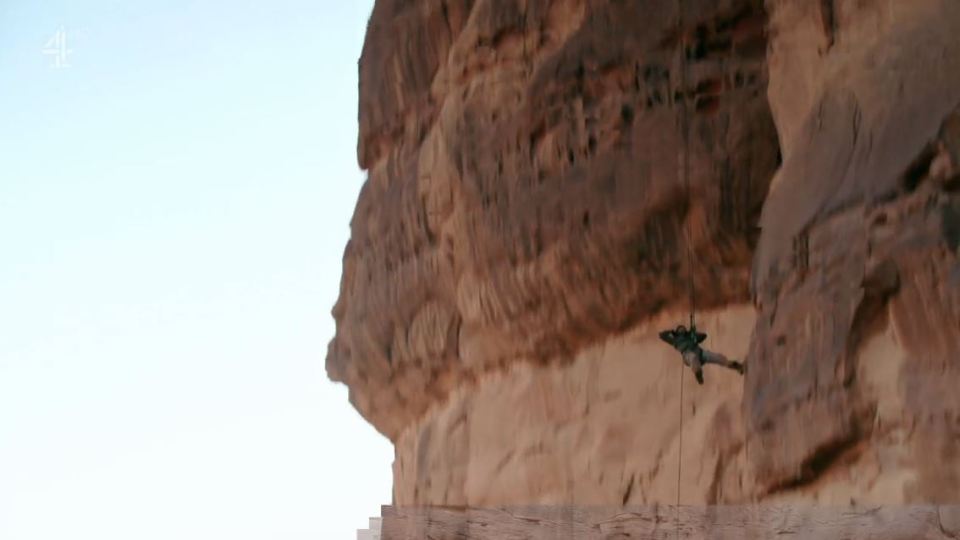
{"x":668,"y":523}
{"x":525,"y":222}
{"x":524,"y":199}
{"x":858,"y":235}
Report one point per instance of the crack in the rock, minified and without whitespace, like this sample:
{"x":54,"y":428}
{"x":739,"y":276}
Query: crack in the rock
{"x":629,"y":490}
{"x":820,"y":462}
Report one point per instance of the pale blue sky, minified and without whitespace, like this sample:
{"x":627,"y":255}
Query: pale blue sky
{"x":173,"y":211}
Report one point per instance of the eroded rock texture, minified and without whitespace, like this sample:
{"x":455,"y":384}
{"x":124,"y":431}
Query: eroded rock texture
{"x":858,"y":241}
{"x":524,"y":230}
{"x":806,"y":522}
{"x":524,"y":199}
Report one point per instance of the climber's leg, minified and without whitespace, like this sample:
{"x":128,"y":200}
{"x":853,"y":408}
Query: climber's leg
{"x":692,"y":359}
{"x":710,"y":357}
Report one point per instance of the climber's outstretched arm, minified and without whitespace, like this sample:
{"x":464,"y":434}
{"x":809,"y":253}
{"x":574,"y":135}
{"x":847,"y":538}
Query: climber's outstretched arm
{"x":669,"y":337}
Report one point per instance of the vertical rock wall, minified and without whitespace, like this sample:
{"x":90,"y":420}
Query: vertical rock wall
{"x":524,"y":227}
{"x":524,"y":197}
{"x":857,"y":243}
{"x":603,"y":429}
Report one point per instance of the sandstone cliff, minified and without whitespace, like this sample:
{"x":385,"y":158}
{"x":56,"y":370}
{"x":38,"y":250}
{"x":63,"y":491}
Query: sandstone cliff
{"x":523,"y":231}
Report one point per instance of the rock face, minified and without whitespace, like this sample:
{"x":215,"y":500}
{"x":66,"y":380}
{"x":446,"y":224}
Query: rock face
{"x":858,"y":245}
{"x":524,"y":197}
{"x":526,"y":227}
{"x":666,"y":523}
{"x":601,"y":430}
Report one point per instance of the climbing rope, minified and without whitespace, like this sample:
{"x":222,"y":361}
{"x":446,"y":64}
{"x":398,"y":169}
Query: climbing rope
{"x":685,"y":133}
{"x":680,"y":451}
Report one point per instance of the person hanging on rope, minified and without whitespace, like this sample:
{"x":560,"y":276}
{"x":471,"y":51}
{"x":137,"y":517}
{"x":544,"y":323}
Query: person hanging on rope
{"x":687,"y":342}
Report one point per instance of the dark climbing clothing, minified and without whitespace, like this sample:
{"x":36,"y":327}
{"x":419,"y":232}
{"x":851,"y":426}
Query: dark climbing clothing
{"x":682,"y":339}
{"x":687,"y":342}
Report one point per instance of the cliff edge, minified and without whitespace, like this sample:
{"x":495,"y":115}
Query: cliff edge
{"x":523,"y":233}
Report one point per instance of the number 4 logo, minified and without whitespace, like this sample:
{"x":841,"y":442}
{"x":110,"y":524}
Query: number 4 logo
{"x":57,"y":47}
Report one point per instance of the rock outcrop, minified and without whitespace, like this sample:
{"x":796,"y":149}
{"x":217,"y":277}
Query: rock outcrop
{"x":524,"y":197}
{"x":858,"y":246}
{"x":526,"y":227}
{"x":667,"y":523}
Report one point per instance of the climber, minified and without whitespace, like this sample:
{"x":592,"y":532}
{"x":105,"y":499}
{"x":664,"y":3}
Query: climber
{"x":688,"y":343}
